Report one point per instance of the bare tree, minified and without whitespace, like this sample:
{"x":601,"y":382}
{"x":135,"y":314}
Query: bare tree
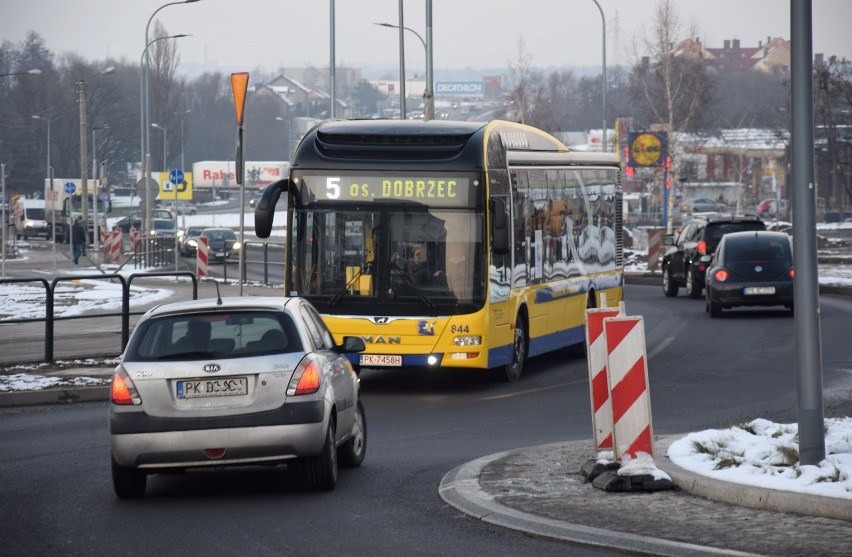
{"x":524,"y":79}
{"x":673,"y":88}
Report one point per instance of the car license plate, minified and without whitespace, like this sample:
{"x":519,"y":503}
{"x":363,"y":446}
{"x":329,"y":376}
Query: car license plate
{"x":758,"y":290}
{"x":227,"y":386}
{"x":380,"y":360}
{"x":219,"y":254}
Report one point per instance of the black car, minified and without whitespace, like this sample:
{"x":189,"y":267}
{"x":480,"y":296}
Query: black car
{"x":134,"y":220}
{"x":687,"y":256}
{"x":751,"y":269}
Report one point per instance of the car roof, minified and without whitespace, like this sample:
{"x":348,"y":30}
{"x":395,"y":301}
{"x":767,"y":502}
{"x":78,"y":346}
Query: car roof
{"x":745,"y":234}
{"x":228,"y":303}
{"x":722,"y":217}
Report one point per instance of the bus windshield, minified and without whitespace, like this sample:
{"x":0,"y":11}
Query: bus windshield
{"x":408,"y":258}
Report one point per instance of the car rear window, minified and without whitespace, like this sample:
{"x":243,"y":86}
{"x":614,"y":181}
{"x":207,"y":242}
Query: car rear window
{"x":715,"y":231}
{"x":214,"y":335}
{"x":758,"y":248}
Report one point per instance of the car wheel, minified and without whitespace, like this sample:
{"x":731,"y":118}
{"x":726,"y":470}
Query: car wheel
{"x":669,"y":287}
{"x":351,"y":453}
{"x":323,"y":467}
{"x":714,"y":309}
{"x":693,"y":289}
{"x":128,"y":483}
{"x":519,"y":352}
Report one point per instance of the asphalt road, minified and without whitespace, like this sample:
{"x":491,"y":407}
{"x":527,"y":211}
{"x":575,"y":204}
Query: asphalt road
{"x":704,"y":373}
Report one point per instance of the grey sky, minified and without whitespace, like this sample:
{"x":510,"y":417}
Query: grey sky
{"x":245,"y":35}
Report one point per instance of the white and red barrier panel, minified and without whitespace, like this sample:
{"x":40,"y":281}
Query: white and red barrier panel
{"x":596,"y":356}
{"x":134,"y":235}
{"x":627,"y":368}
{"x":202,"y":252}
{"x":115,"y":245}
{"x":656,"y":244}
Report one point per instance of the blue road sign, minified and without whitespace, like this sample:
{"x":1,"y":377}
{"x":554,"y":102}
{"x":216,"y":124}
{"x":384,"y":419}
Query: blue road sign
{"x":70,"y":187}
{"x":176,"y":177}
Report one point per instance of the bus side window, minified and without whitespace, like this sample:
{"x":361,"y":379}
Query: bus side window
{"x":500,"y":219}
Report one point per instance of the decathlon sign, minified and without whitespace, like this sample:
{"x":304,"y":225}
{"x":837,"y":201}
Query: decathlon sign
{"x":460,"y":88}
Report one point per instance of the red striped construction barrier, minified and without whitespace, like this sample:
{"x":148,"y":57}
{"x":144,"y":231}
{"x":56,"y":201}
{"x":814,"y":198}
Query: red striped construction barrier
{"x":202,"y":252}
{"x":656,"y":243}
{"x":596,"y":356}
{"x":627,"y":367}
{"x":115,"y":246}
{"x":134,"y":234}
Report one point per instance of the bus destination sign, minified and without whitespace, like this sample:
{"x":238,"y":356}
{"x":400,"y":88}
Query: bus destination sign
{"x":440,"y":191}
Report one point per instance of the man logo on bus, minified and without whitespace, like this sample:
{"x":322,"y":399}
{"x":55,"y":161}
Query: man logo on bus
{"x":426,"y":328}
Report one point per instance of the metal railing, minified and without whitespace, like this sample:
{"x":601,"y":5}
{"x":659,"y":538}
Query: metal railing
{"x":50,"y":318}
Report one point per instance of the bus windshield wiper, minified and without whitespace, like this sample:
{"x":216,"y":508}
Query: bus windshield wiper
{"x":339,"y":294}
{"x":410,"y":283}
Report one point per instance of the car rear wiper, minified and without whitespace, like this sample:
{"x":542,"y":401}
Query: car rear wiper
{"x":410,"y":283}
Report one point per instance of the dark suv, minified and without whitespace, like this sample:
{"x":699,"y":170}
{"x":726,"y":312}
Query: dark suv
{"x":687,"y":257}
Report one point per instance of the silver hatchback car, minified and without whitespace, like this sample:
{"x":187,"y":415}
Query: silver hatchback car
{"x":234,"y":381}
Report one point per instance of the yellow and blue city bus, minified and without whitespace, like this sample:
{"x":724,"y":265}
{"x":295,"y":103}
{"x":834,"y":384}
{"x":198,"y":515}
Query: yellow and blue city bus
{"x":449,"y":244}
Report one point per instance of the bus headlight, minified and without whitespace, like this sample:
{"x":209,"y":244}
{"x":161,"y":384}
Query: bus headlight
{"x":467,"y":341}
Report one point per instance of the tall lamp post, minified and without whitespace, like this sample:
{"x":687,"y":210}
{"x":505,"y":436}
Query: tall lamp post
{"x":603,"y":74}
{"x":84,"y":157}
{"x":143,"y":114}
{"x":182,"y":159}
{"x":97,"y":178}
{"x":165,"y":144}
{"x":289,"y":136}
{"x":34,"y":71}
{"x":51,"y":193}
{"x":428,"y":95}
{"x":143,"y":111}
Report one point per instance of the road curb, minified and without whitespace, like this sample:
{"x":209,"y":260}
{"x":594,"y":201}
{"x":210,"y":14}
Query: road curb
{"x":54,"y":396}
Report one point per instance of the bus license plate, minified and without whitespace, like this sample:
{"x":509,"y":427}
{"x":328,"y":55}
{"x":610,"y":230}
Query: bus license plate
{"x":228,"y":386}
{"x":381,"y":360}
{"x":757,"y":290}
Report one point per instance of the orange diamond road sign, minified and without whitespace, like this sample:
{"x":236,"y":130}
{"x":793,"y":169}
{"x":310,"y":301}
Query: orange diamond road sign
{"x":239,"y":83}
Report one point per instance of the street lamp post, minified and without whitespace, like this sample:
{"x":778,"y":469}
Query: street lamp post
{"x":182,"y":159}
{"x":143,"y":114}
{"x":165,"y":144}
{"x":603,"y":75}
{"x":429,"y":107}
{"x":96,"y":179}
{"x":34,"y":71}
{"x":51,"y":193}
{"x":84,"y":157}
{"x":289,"y":136}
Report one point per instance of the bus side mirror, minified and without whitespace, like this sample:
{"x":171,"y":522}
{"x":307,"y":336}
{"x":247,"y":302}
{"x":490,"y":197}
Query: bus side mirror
{"x":499,"y":226}
{"x":264,"y":211}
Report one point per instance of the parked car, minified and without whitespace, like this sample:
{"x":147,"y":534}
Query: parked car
{"x":751,"y":269}
{"x":220,"y":242}
{"x":134,"y":220}
{"x":255,"y":198}
{"x":188,"y":239}
{"x":688,"y":253}
{"x":183,"y":207}
{"x":234,"y":382}
{"x":703,"y":205}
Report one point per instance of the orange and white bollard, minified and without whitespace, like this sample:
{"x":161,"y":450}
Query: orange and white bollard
{"x":627,"y":369}
{"x":202,"y":252}
{"x":596,"y":356}
{"x":115,"y":246}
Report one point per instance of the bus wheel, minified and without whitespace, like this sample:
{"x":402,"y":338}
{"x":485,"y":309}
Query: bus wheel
{"x":519,"y":352}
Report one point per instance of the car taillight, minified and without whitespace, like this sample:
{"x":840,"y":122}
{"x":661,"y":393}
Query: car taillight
{"x":702,"y":247}
{"x":123,"y":390}
{"x":792,"y":273}
{"x":306,"y":378}
{"x":721,"y":275}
